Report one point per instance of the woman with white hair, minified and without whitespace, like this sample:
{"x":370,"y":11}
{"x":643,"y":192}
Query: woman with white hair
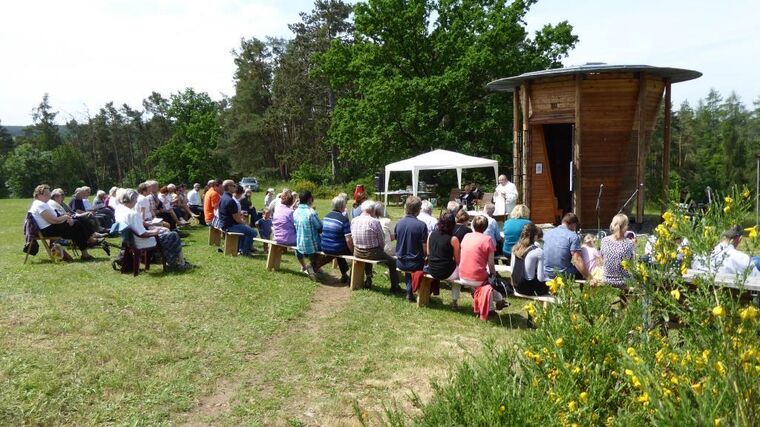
{"x":111,"y":201}
{"x":170,"y":245}
{"x":615,"y":248}
{"x":389,"y":247}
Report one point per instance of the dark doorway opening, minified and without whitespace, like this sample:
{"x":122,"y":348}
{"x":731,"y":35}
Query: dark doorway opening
{"x":559,"y":149}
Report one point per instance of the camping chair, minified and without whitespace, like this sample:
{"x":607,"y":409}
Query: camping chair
{"x":138,"y":255}
{"x":34,"y":234}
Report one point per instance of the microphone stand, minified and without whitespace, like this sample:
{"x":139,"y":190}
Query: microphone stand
{"x":631,"y":198}
{"x":598,"y":204}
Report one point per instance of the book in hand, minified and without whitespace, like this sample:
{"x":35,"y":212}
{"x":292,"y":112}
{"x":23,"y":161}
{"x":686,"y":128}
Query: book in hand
{"x":156,"y":221}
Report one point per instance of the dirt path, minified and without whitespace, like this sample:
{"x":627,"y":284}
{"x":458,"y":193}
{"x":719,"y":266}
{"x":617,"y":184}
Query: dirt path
{"x":328,"y":299}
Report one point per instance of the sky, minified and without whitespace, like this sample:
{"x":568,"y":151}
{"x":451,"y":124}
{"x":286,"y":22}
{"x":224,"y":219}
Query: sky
{"x":84,"y":53}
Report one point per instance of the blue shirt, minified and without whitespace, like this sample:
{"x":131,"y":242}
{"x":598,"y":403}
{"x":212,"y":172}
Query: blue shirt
{"x":265,"y":228}
{"x":559,"y":243}
{"x":493,"y":230}
{"x":335,"y":228}
{"x":308,"y":227}
{"x":227,"y":207}
{"x":512,"y":230}
{"x":411,"y":234}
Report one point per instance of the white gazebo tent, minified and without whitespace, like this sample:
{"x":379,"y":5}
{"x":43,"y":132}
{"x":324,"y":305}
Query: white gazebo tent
{"x":434,"y":160}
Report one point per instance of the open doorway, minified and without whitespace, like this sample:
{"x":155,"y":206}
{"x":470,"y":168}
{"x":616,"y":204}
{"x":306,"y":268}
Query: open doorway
{"x":559,"y":150}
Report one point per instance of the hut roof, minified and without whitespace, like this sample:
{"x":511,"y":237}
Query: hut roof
{"x":676,"y":75}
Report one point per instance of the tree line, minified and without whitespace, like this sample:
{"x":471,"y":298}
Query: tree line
{"x":355,"y":87}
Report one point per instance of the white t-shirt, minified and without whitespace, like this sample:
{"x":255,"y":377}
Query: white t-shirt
{"x":429,"y":221}
{"x":87,"y":205}
{"x":56,"y":207}
{"x":36,"y":210}
{"x":130,"y":217}
{"x":143,"y":206}
{"x":113,"y":202}
{"x":166,"y":201}
{"x":194,"y":198}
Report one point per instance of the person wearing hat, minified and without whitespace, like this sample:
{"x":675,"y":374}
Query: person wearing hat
{"x":725,"y":258}
{"x":268,"y":197}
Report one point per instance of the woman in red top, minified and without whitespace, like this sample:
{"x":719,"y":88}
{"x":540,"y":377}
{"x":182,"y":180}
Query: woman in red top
{"x":477,"y":258}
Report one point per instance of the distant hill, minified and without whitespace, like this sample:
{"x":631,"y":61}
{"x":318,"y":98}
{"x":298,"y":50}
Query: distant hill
{"x":19,"y":130}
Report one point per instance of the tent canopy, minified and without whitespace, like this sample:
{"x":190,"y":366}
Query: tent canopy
{"x":435,"y":160}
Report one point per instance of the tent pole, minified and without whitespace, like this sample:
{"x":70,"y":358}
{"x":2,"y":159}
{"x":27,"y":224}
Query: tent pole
{"x":387,"y":179}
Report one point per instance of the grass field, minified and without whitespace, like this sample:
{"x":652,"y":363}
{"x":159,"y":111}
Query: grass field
{"x":227,"y":343}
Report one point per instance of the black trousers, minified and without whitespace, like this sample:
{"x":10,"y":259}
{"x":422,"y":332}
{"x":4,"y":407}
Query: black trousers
{"x":77,"y":233}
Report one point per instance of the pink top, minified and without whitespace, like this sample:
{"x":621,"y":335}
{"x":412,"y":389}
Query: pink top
{"x":591,"y":257}
{"x":474,"y":256}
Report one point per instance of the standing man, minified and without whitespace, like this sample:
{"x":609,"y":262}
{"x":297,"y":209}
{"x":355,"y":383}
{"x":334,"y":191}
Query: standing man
{"x":195,"y":203}
{"x":231,"y":218}
{"x":411,"y":242}
{"x":211,"y":201}
{"x":505,"y":196}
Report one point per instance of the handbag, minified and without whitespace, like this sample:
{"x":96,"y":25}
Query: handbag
{"x":500,"y":285}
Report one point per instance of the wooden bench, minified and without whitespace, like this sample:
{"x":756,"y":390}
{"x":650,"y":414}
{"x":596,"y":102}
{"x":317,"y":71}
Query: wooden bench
{"x":358,"y":267}
{"x":274,"y":254}
{"x":752,"y":284}
{"x":423,"y":292}
{"x":231,"y":240}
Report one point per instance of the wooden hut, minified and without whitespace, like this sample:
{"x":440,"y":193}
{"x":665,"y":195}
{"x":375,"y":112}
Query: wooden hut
{"x":583,"y":127}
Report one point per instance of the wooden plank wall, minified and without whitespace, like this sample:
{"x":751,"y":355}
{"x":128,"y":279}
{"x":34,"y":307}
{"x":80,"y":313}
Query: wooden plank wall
{"x":542,"y":202}
{"x":608,"y":149}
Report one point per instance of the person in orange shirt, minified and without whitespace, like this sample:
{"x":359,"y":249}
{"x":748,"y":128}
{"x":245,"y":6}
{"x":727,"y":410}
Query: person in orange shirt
{"x":211,"y":200}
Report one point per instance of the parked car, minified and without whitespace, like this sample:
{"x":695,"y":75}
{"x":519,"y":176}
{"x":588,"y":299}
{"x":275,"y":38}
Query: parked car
{"x":250,"y":182}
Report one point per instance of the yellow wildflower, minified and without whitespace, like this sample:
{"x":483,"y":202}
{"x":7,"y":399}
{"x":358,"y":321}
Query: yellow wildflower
{"x":726,"y":209}
{"x":718,"y":311}
{"x":674,"y":380}
{"x":643,"y":399}
{"x":676,"y":294}
{"x":721,"y":368}
{"x":749,"y":313}
{"x":554,"y":285}
{"x":684,"y":269}
{"x":629,"y":372}
{"x":635,"y":381}
{"x":716,"y":422}
{"x":559,"y":342}
{"x":659,"y":355}
{"x":697,"y":388}
{"x":531,"y":310}
{"x":572,"y":406}
{"x":583,"y":397}
{"x":625,"y":264}
{"x":746,"y":193}
{"x":576,"y":370}
{"x":728,"y":200}
{"x":502,"y":408}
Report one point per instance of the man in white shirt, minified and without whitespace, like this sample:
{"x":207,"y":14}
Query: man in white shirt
{"x":195,"y":203}
{"x":726,"y":259}
{"x":504,"y":196}
{"x":426,"y":216}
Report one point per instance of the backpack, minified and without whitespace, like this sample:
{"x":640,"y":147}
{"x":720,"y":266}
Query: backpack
{"x":500,"y":285}
{"x":124,"y":261}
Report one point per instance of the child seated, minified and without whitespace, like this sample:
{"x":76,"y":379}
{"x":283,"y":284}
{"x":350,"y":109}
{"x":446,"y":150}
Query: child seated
{"x":592,"y":258}
{"x":265,"y":226}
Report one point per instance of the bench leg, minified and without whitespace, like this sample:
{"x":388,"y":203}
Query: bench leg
{"x":214,"y":237}
{"x":231,"y":244}
{"x":357,"y":275}
{"x":274,"y":256}
{"x":423,"y":292}
{"x":335,"y":263}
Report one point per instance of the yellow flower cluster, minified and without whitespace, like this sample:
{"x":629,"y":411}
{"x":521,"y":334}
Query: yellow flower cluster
{"x":749,"y":313}
{"x":555,"y":284}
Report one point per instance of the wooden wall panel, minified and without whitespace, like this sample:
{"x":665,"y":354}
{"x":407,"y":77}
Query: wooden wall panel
{"x":543,"y":204}
{"x":552,"y":95}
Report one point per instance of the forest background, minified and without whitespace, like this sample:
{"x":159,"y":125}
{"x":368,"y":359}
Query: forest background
{"x":357,"y":86}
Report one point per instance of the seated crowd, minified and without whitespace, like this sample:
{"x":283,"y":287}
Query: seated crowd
{"x":454,"y":247}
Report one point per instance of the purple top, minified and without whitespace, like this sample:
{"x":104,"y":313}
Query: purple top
{"x":283,"y":227}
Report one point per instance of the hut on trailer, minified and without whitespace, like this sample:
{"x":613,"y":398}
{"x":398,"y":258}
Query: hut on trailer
{"x":585,"y":130}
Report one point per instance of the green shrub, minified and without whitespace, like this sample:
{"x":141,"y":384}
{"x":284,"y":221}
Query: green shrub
{"x":677,"y":354}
